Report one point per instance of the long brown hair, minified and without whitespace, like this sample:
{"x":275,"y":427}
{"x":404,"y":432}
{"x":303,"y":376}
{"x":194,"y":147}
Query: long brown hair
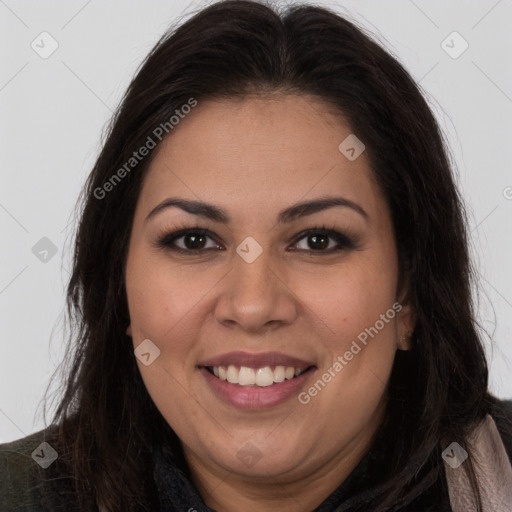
{"x":107,"y":422}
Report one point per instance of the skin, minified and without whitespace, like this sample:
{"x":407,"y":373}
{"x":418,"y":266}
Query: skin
{"x":253,"y":158}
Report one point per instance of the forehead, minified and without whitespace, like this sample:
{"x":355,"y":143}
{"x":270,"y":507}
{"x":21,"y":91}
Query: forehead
{"x":271,"y":151}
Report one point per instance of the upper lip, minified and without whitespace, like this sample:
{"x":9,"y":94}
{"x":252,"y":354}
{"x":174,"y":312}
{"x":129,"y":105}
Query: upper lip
{"x":256,"y":360}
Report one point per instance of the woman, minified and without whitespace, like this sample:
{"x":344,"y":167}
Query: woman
{"x":271,"y":290}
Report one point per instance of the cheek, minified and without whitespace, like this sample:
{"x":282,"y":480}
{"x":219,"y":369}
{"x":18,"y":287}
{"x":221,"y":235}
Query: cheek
{"x":170,"y":390}
{"x":162,"y":296}
{"x":355,"y":314}
{"x":161,"y":306}
{"x":350,"y":299}
{"x":358,"y":324}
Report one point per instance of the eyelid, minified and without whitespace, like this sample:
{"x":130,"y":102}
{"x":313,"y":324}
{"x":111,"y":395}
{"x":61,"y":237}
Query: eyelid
{"x":344,"y":239}
{"x":167,"y":238}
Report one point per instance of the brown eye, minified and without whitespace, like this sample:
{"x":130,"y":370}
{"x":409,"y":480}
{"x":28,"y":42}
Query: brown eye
{"x":188,"y":241}
{"x":194,"y":241}
{"x":324,"y":241}
{"x":318,"y":241}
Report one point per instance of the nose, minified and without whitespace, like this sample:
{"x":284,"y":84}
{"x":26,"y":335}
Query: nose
{"x":255,"y":296}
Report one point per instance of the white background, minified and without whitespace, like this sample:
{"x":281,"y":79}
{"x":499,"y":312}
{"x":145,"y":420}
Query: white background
{"x":53,"y":111}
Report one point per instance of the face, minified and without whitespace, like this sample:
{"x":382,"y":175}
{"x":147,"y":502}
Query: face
{"x":259,"y":290}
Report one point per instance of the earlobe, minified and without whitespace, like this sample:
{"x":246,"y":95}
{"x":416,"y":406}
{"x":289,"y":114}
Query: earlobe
{"x":405,"y":342}
{"x":406,"y":325}
{"x":129,"y":330}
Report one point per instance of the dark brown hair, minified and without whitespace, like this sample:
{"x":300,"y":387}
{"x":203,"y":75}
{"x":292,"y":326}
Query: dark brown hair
{"x":106,"y":420}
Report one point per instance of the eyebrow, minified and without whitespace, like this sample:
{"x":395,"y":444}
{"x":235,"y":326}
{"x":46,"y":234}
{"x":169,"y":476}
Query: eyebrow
{"x":287,"y":215}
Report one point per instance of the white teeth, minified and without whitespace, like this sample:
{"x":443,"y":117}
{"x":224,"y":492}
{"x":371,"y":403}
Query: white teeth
{"x":289,"y":372}
{"x":247,"y":376}
{"x":279,"y":374}
{"x":232,"y":374}
{"x":263,"y":377}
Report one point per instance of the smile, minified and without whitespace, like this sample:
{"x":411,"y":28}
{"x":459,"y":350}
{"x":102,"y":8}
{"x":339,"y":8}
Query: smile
{"x":262,"y":377}
{"x":256,"y":380}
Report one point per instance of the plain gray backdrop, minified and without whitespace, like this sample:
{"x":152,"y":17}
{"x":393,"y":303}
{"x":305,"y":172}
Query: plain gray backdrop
{"x":54,"y":107}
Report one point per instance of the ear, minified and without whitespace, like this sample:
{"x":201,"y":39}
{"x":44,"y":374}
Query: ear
{"x":129,"y":330}
{"x":406,"y":323}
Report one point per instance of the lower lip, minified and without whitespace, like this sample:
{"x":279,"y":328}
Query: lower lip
{"x":256,"y":397}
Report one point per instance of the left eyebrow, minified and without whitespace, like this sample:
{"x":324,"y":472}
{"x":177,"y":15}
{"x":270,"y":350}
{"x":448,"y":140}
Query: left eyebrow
{"x":286,"y":216}
{"x":309,"y":207}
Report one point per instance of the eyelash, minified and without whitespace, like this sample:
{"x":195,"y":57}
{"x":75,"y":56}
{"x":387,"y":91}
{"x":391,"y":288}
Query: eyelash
{"x":166,"y":240}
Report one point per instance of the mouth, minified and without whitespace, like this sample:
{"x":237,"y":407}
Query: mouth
{"x":252,"y":381}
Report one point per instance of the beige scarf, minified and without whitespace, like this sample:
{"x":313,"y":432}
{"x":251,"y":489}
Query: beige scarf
{"x":492,"y":467}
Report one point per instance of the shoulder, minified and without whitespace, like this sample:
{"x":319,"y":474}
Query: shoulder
{"x":27,"y":465}
{"x":20,"y":472}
